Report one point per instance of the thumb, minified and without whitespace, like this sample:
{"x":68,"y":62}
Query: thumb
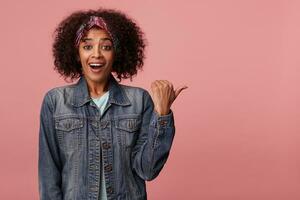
{"x":179,"y":89}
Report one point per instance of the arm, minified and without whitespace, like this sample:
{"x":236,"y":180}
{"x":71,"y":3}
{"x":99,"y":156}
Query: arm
{"x":49,"y":165}
{"x":154,"y":143}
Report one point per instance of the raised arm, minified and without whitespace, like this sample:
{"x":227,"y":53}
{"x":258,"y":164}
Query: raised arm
{"x":154,"y":143}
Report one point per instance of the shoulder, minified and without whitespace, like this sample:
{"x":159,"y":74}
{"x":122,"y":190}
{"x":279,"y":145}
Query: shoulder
{"x":60,"y":89}
{"x":57,"y":93}
{"x":134,"y":91}
{"x":137,"y":96}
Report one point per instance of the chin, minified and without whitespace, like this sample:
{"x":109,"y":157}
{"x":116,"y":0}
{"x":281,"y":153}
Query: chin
{"x":100,"y":78}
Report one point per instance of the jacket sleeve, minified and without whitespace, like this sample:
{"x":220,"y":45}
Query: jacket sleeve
{"x":49,"y":165}
{"x":154,"y":142}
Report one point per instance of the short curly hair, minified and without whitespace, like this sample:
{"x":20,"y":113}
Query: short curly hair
{"x":129,"y":50}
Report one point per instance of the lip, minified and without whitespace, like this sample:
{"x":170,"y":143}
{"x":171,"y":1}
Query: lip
{"x":97,"y":62}
{"x":97,"y":70}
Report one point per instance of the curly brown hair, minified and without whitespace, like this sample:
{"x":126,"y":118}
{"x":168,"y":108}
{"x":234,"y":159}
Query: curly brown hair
{"x":129,"y":48}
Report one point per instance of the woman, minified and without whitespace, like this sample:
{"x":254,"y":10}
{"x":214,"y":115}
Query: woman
{"x":100,"y":139}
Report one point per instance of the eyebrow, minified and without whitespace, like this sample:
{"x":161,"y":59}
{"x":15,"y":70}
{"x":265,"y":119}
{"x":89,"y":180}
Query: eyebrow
{"x":91,"y":39}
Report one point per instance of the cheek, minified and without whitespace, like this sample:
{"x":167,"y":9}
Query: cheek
{"x":108,"y":57}
{"x":83,"y":61}
{"x":83,"y":55}
{"x":111,"y":57}
{"x":83,"y":58}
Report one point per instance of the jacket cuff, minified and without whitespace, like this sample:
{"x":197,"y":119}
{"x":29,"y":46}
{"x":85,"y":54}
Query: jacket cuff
{"x":162,"y":120}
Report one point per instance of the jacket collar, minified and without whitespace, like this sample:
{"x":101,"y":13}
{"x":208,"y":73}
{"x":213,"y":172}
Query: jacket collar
{"x":81,"y":95}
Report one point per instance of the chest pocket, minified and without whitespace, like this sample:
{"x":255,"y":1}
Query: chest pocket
{"x":128,"y":128}
{"x":69,"y":132}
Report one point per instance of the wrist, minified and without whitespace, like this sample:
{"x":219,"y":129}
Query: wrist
{"x":162,"y":112}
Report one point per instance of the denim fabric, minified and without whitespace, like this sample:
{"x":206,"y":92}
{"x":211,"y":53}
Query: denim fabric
{"x":101,"y":103}
{"x":135,"y":143}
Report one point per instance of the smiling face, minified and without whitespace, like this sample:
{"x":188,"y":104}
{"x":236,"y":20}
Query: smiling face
{"x":96,"y":55}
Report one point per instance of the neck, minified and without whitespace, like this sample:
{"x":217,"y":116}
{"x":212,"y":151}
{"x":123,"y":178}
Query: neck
{"x":97,"y":89}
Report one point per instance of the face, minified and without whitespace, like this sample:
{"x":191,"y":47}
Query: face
{"x":96,"y":55}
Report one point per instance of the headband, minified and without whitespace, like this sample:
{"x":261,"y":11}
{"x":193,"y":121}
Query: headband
{"x":93,"y":21}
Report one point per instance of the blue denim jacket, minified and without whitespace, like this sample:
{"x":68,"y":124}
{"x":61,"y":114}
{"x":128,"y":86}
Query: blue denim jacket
{"x":135,"y":143}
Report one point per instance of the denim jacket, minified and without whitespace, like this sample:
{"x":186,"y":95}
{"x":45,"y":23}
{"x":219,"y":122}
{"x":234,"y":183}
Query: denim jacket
{"x":130,"y":139}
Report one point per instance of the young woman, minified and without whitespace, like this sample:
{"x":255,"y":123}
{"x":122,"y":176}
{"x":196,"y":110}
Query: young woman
{"x":100,"y":139}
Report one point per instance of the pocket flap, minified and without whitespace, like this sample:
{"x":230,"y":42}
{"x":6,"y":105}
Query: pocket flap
{"x":129,"y":124}
{"x":68,"y":124}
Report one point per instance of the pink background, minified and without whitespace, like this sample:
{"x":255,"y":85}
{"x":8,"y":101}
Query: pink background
{"x":238,"y":123}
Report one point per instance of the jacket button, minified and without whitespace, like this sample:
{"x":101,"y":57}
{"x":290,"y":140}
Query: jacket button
{"x":163,"y":122}
{"x":110,"y":190}
{"x":106,"y":145}
{"x":108,"y":168}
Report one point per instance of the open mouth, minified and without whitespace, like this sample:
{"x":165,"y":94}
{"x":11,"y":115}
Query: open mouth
{"x":96,"y":65}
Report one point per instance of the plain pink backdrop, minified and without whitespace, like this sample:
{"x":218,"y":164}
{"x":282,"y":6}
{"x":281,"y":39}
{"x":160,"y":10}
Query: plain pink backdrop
{"x":238,"y":123}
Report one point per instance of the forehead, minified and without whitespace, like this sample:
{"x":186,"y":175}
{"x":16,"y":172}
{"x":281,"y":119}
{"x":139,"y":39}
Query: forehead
{"x":96,"y":34}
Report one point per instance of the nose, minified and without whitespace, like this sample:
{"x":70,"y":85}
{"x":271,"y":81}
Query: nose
{"x":97,"y":52}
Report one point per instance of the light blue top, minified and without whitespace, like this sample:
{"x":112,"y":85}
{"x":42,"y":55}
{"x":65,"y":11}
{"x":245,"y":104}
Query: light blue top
{"x":101,"y":103}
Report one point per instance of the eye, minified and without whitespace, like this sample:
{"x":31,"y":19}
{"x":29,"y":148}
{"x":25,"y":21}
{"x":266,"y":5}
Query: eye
{"x":87,"y":47}
{"x":106,"y":47}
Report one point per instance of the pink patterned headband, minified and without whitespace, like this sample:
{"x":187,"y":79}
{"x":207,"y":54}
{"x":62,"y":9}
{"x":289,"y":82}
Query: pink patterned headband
{"x":93,"y":21}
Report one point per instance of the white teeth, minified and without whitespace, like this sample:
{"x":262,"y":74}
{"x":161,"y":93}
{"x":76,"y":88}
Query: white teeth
{"x":96,"y":65}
